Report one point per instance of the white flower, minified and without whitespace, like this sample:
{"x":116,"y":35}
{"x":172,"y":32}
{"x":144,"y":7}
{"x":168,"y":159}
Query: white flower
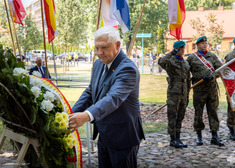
{"x":36,"y":73}
{"x":57,"y":99}
{"x":19,"y":71}
{"x":36,"y":91}
{"x":49,"y":96}
{"x":36,"y":82}
{"x":47,"y":105}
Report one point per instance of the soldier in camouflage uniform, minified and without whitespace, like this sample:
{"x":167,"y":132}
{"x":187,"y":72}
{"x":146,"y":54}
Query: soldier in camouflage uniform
{"x":178,"y":71}
{"x":206,"y":92}
{"x":231,"y":114}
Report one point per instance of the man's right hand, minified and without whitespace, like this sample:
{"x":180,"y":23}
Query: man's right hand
{"x":174,"y":51}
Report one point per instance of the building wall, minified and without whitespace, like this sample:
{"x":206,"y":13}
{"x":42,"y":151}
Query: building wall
{"x":226,"y":45}
{"x":35,"y":10}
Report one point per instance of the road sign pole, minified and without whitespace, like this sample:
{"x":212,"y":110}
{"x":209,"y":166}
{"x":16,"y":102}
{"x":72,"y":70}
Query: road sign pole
{"x":142,"y":55}
{"x":143,"y":35}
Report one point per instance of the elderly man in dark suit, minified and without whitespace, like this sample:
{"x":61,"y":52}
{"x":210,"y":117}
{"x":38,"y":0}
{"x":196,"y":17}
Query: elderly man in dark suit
{"x":40,"y":68}
{"x":111,"y":102}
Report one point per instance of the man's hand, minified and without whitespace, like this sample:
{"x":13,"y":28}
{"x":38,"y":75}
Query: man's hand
{"x":76,"y":120}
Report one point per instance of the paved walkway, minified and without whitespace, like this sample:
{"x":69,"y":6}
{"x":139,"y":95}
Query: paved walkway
{"x":155,"y":151}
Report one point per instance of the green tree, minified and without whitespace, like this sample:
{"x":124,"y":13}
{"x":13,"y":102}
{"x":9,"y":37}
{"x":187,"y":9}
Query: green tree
{"x":28,"y":35}
{"x":3,"y":16}
{"x":72,"y":21}
{"x":198,"y":26}
{"x":214,"y":29}
{"x":155,"y":16}
{"x":193,"y":5}
{"x":160,"y":40}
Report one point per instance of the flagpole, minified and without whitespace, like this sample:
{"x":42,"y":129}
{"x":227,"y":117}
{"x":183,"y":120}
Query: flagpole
{"x":12,"y":40}
{"x":54,"y":62}
{"x":17,"y":42}
{"x":44,"y":39}
{"x":135,"y":32}
{"x":97,"y":21}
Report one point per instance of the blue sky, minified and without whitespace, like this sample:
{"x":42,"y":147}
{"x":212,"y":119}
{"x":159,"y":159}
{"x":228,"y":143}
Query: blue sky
{"x":26,"y":2}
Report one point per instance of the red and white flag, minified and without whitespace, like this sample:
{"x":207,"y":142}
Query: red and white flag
{"x":17,"y":11}
{"x":227,"y":73}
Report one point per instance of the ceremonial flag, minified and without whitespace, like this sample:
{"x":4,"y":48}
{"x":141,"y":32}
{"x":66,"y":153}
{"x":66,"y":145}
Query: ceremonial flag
{"x":49,"y":8}
{"x":227,"y":73}
{"x":176,"y":13}
{"x":17,"y":11}
{"x":115,"y":12}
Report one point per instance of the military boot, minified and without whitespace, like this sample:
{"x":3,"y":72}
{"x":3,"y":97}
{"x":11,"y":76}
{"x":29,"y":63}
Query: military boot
{"x":232,"y":133}
{"x":215,"y":140}
{"x":174,"y":142}
{"x":177,"y":136}
{"x":199,"y":138}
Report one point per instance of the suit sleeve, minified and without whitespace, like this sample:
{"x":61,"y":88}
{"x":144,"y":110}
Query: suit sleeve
{"x":126,"y":81}
{"x":85,"y":99}
{"x":31,"y":71}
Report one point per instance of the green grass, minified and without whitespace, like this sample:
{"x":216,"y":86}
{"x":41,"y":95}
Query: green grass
{"x":154,"y":127}
{"x":152,"y":89}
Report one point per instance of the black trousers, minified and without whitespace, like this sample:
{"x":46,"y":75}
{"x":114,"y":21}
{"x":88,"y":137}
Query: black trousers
{"x":117,"y":158}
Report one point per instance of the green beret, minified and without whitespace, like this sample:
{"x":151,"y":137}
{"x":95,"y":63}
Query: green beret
{"x":201,"y":39}
{"x":234,"y":40}
{"x":179,"y":44}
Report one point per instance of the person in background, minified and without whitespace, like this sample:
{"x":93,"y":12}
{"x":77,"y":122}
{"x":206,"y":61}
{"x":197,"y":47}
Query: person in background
{"x":111,"y":103}
{"x":178,"y":79}
{"x":202,"y":66}
{"x":152,"y":60}
{"x":230,"y":112}
{"x":159,"y":67}
{"x":40,"y":68}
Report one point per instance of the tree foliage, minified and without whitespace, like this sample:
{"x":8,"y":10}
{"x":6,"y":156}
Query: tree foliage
{"x":72,"y":21}
{"x":214,"y":29}
{"x":155,"y":16}
{"x":193,"y":5}
{"x":28,"y":35}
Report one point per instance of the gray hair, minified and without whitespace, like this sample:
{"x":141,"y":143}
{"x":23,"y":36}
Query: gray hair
{"x":113,"y":34}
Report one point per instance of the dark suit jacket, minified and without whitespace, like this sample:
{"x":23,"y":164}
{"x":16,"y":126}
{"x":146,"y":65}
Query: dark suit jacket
{"x":115,"y":105}
{"x":36,"y":69}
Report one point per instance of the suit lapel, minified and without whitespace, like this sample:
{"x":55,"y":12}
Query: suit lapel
{"x":114,"y":65}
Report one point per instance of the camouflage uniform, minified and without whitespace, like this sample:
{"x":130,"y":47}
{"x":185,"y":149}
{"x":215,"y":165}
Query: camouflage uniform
{"x":230,"y":113}
{"x":206,"y":92}
{"x":178,"y":90}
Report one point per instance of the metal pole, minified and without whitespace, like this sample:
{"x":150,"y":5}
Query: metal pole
{"x":12,"y":40}
{"x":88,"y":144}
{"x":97,"y":23}
{"x":17,"y":42}
{"x":52,"y":45}
{"x":142,"y":55}
{"x":44,"y":39}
